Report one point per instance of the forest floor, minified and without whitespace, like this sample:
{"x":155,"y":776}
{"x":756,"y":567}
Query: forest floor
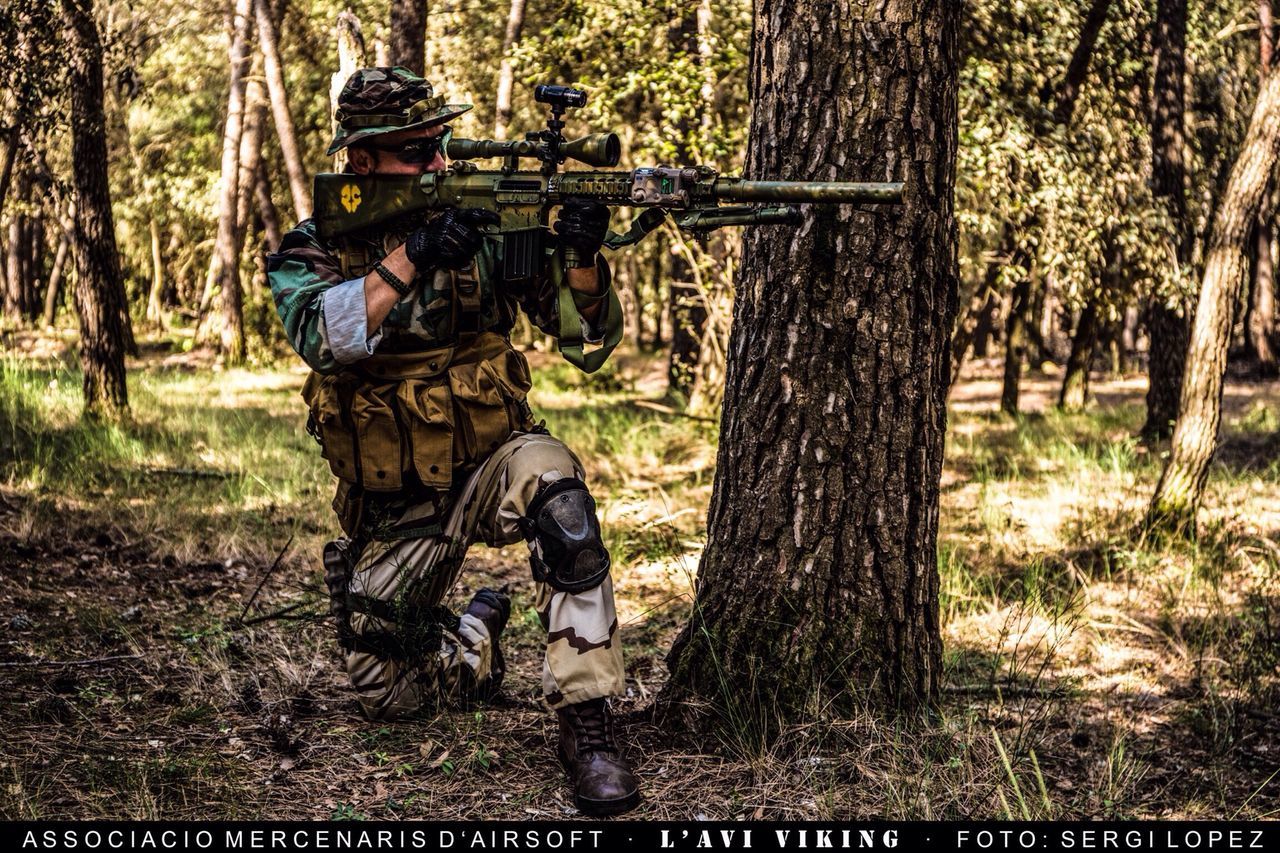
{"x":1089,"y":673}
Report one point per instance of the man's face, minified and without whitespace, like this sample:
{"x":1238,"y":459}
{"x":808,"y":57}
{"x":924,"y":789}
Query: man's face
{"x":381,"y":157}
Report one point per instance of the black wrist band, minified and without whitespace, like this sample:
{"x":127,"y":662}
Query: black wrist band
{"x":397,"y":284}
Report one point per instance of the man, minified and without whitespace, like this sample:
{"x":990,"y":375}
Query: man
{"x":418,"y":401}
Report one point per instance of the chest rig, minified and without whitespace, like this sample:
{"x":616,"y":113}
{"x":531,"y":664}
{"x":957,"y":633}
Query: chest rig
{"x":418,"y":416}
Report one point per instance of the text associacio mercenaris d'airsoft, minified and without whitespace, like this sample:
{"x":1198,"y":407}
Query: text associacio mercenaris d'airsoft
{"x":309,"y":839}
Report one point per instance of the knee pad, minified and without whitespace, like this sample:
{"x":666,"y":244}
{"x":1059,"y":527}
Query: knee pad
{"x":564,"y":535}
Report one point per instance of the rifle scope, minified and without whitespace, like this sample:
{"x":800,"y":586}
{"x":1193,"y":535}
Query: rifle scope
{"x":601,"y":150}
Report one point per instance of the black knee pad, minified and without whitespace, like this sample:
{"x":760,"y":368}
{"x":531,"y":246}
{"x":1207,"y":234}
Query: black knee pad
{"x":565,"y":534}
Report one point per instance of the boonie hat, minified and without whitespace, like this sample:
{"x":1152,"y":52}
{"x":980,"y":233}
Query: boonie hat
{"x":386,"y":100}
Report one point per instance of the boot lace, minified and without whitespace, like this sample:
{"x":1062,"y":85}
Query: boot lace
{"x":594,"y":727}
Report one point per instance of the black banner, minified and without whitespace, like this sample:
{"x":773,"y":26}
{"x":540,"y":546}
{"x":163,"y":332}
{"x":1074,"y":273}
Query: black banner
{"x":342,"y":837}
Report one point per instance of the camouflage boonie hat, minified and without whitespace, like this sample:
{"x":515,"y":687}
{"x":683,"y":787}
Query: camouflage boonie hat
{"x":386,"y":100}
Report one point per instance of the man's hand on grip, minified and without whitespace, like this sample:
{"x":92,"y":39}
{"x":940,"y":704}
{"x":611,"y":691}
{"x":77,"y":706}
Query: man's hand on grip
{"x":450,"y":240}
{"x":582,"y":226}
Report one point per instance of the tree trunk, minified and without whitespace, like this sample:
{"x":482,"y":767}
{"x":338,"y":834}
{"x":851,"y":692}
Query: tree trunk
{"x":16,"y":252}
{"x":1063,"y":104}
{"x":268,"y":41}
{"x":979,"y":306}
{"x":685,"y":301}
{"x":1260,"y":324}
{"x":267,"y":208}
{"x":1069,"y":89}
{"x":155,"y":310}
{"x":255,"y":119}
{"x":350,"y":57}
{"x":224,"y":269}
{"x":819,"y":580}
{"x":409,"y":34}
{"x":54,"y":289}
{"x":99,"y":292}
{"x":1226,"y":267}
{"x":12,"y":141}
{"x":33,"y":287}
{"x":1168,"y":323}
{"x":1260,"y":321}
{"x":1015,"y":337}
{"x":1075,"y":380}
{"x":507,"y":70}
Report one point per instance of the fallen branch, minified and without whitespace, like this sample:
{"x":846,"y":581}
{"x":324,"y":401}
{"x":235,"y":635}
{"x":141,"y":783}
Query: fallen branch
{"x":87,"y":662}
{"x":265,"y":575}
{"x":667,"y":410}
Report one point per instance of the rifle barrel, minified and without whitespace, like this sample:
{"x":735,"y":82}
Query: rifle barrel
{"x":736,"y":189}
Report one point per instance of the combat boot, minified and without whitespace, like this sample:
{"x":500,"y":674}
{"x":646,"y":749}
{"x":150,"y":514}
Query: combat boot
{"x":603,"y":783}
{"x":493,"y":608}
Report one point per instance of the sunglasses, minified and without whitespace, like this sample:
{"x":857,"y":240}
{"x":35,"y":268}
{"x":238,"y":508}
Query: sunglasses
{"x":421,"y":150}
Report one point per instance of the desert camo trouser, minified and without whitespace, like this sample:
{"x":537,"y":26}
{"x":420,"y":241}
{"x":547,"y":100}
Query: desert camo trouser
{"x":583,"y":657}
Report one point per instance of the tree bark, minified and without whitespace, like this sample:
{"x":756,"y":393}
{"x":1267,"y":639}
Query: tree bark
{"x":1168,"y":321}
{"x":268,"y":41}
{"x":409,"y":34}
{"x":819,"y":580}
{"x":1226,"y":268}
{"x":99,"y":292}
{"x":506,"y":70}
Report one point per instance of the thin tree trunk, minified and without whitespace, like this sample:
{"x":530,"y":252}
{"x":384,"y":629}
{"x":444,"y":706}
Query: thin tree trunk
{"x":686,"y":303}
{"x":267,"y":208}
{"x":1168,"y":323}
{"x":15,"y":253}
{"x":155,"y":308}
{"x":818,"y":585}
{"x":1260,"y":324}
{"x":1015,"y":337}
{"x":979,"y":301}
{"x":12,"y":141}
{"x":1063,"y":104}
{"x":225,"y":267}
{"x":33,"y":287}
{"x":1069,"y":89}
{"x":506,"y":70}
{"x":409,"y":34}
{"x":54,"y":288}
{"x":350,"y":57}
{"x":1075,"y":381}
{"x":1227,"y":265}
{"x":99,"y":292}
{"x":268,"y":42}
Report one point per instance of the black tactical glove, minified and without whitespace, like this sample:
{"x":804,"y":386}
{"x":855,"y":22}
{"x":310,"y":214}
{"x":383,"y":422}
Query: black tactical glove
{"x":582,"y":227}
{"x":449,"y":241}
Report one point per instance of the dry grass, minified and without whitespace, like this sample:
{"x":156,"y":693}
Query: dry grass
{"x":1089,"y":674}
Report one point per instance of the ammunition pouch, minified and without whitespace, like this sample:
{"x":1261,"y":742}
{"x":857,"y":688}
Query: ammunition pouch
{"x":422,"y":419}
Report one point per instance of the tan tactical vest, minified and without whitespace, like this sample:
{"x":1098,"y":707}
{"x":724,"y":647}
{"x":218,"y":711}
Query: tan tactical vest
{"x":392,"y":421}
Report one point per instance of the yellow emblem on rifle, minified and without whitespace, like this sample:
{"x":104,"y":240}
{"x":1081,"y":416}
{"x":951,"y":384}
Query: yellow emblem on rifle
{"x":351,"y":197}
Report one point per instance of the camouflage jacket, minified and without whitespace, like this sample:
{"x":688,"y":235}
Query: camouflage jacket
{"x":306,"y":266}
